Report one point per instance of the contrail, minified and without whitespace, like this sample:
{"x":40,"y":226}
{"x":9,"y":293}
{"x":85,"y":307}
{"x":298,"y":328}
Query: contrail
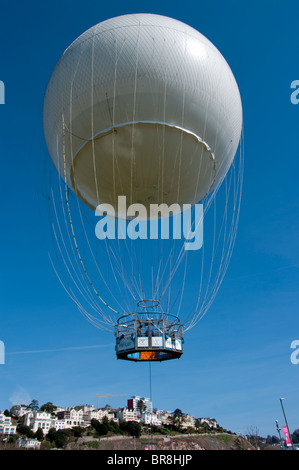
{"x":72,"y":348}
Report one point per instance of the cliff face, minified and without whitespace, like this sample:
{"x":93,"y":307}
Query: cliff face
{"x":155,"y":442}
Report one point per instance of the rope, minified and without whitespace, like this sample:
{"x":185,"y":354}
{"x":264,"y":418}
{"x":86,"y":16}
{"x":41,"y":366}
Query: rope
{"x":72,"y":229}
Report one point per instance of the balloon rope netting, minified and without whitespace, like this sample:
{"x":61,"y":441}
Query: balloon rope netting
{"x":82,"y":289}
{"x":169,"y":269}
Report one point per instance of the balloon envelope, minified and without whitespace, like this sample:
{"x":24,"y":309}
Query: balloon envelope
{"x":142,"y":106}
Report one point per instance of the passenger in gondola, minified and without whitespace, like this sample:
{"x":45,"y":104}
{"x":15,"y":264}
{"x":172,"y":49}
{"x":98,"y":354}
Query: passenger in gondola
{"x":172,"y":336}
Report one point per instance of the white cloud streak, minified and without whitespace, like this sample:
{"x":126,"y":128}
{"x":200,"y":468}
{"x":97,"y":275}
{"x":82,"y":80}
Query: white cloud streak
{"x":71,"y":348}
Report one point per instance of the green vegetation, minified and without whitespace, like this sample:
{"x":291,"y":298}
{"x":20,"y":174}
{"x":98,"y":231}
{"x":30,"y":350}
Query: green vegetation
{"x":48,"y":407}
{"x":227,"y":439}
{"x":92,"y":444}
{"x":59,"y":438}
{"x":25,"y":431}
{"x":106,"y":427}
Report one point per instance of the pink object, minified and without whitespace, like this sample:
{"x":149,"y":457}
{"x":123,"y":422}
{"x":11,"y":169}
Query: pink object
{"x":286,"y":435}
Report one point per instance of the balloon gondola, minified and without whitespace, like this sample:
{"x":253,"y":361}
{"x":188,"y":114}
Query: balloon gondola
{"x":149,"y":335}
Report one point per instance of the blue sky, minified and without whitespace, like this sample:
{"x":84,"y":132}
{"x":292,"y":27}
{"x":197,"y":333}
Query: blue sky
{"x":236,"y":363}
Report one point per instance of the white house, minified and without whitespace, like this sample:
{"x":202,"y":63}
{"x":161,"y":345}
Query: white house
{"x":125,"y":414}
{"x":71,"y":417}
{"x":88,"y":408}
{"x":19,"y":410}
{"x":99,"y":414}
{"x":39,"y":419}
{"x":209,"y":421}
{"x":187,"y":422}
{"x":57,"y":409}
{"x":60,"y":424}
{"x":6,"y":426}
{"x":28,"y":443}
{"x":151,"y":419}
{"x":166,"y":417}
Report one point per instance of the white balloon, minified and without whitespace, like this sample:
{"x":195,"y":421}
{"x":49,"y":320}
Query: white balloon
{"x":142,"y":106}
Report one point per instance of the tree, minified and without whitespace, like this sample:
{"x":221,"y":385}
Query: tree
{"x":59,"y":438}
{"x":206,"y":426}
{"x":253,"y":436}
{"x":133,"y":428}
{"x":105,"y":426}
{"x":39,"y":435}
{"x":141,"y":406}
{"x":114,"y":427}
{"x":33,"y":405}
{"x":95,"y":424}
{"x":77,"y":431}
{"x":101,"y":428}
{"x":25,"y":430}
{"x":51,"y":434}
{"x":48,"y":407}
{"x":197,"y":424}
{"x":12,"y":439}
{"x":178,"y":418}
{"x":272,"y":440}
{"x":295,"y":436}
